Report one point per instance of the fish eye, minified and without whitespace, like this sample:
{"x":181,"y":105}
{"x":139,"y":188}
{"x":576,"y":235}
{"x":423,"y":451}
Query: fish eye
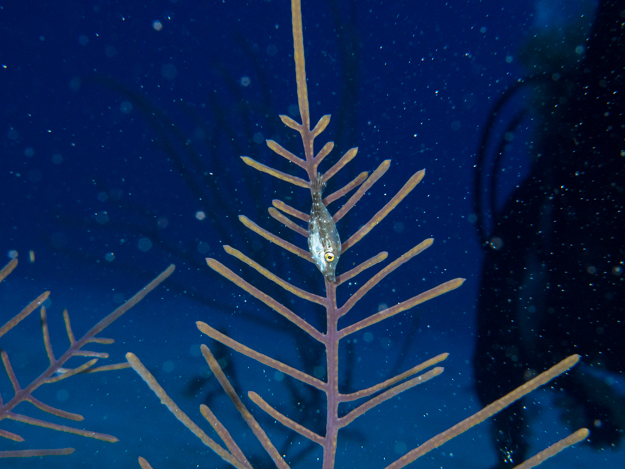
{"x":329,"y":257}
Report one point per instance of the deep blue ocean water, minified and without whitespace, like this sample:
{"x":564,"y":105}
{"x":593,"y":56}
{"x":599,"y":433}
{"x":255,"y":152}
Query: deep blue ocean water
{"x":122,"y":127}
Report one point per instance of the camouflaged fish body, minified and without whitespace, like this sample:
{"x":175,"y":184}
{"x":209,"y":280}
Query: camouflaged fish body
{"x":324,"y":242}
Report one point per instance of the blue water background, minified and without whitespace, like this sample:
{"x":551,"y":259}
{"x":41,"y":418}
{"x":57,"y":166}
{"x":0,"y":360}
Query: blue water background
{"x":99,"y":97}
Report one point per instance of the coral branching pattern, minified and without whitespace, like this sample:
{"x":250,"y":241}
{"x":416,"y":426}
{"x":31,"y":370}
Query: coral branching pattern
{"x":56,"y":370}
{"x":229,"y":451}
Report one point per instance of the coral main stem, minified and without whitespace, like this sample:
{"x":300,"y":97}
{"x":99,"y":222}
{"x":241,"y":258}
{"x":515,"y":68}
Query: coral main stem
{"x":332,"y":366}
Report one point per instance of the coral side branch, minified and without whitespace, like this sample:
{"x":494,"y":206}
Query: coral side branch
{"x":344,"y":277}
{"x":386,"y":395}
{"x":403,"y":306}
{"x":7,"y":269}
{"x":68,"y":327}
{"x":64,"y":373}
{"x":280,"y":150}
{"x":362,"y":190}
{"x":142,"y":371}
{"x":321,"y":126}
{"x":87,"y":353}
{"x":46,"y":335}
{"x":274,"y":239}
{"x":275,"y":214}
{"x":51,"y":410}
{"x":290,"y":210}
{"x":10,"y":436}
{"x":61,"y":428}
{"x":551,"y":451}
{"x":284,"y":420}
{"x":274,"y":278}
{"x":340,"y":164}
{"x":116,"y":366}
{"x":362,"y":177}
{"x":56,"y":368}
{"x":10,"y":372}
{"x":268,"y":300}
{"x":325,"y":151}
{"x":286,"y":120}
{"x":486,"y":412}
{"x":373,"y":281}
{"x":259,"y":357}
{"x":275,"y":173}
{"x":35,"y":453}
{"x":396,"y":379}
{"x":25,"y":312}
{"x":100,"y":340}
{"x":259,"y":433}
{"x":223,"y":431}
{"x":99,"y":327}
{"x":378,"y":217}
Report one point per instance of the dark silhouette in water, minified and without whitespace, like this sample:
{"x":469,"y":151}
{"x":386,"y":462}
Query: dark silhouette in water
{"x":552,"y":282}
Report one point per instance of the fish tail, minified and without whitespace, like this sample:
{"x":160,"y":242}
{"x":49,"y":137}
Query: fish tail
{"x":318,"y":185}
